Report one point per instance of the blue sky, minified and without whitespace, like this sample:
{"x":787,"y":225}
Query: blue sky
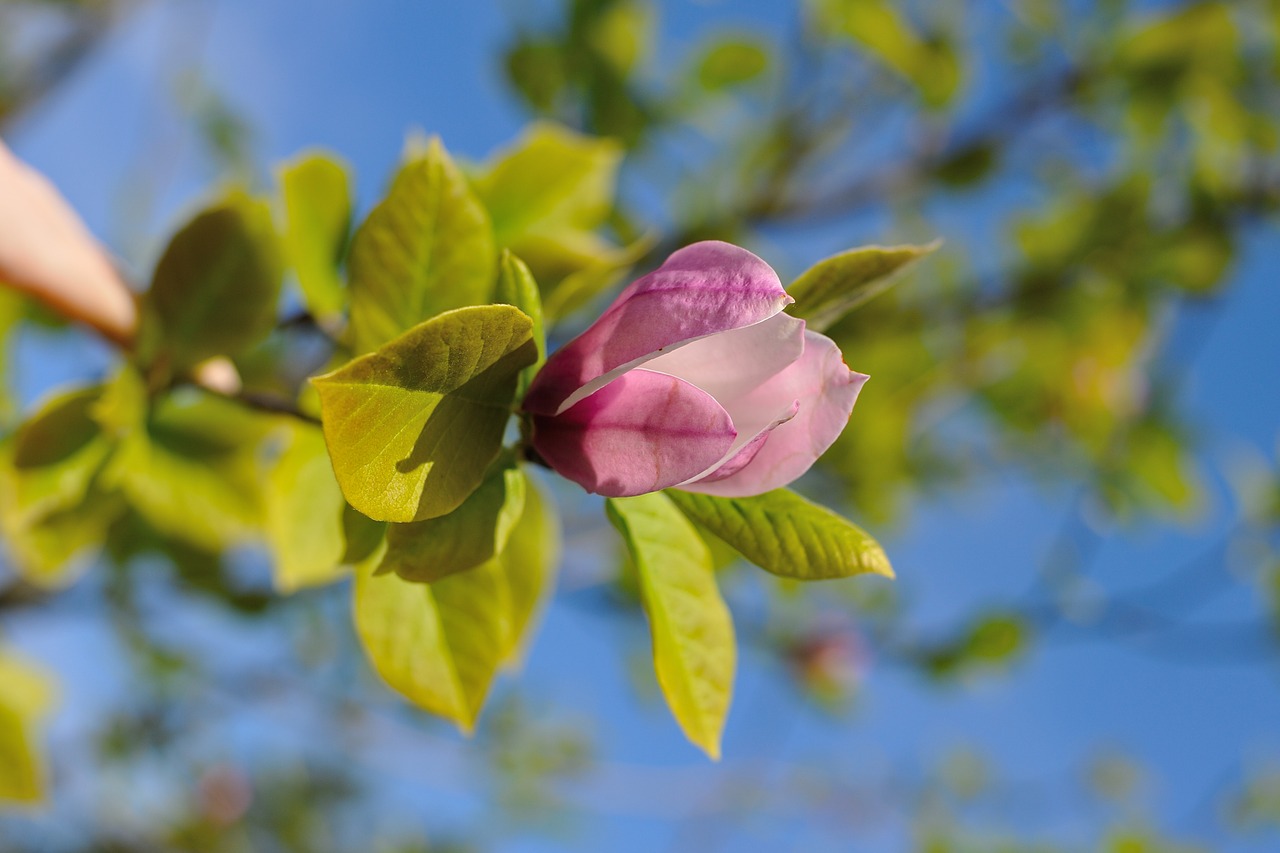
{"x":355,"y":77}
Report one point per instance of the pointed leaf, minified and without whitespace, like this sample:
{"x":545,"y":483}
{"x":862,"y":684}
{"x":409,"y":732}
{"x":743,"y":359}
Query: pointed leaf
{"x":833,"y":287}
{"x":426,"y":248}
{"x":517,"y":287}
{"x":412,"y":428}
{"x":216,"y":287}
{"x":317,"y":204}
{"x":192,"y":472}
{"x":787,"y":535}
{"x":693,"y":644}
{"x":551,"y":178}
{"x":304,"y":511}
{"x":529,"y":562}
{"x":472,"y":534}
{"x":440,"y":644}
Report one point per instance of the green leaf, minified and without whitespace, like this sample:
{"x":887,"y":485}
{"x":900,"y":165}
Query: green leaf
{"x":51,"y":516}
{"x":317,"y":203}
{"x":427,"y":248}
{"x":27,"y":695}
{"x":440,"y":644}
{"x":833,"y":287}
{"x":551,"y":179}
{"x":881,"y":29}
{"x":548,"y":194}
{"x":787,"y":535}
{"x":412,"y":428}
{"x":54,"y":456}
{"x":517,"y":287}
{"x":693,"y":644}
{"x":216,"y":287}
{"x":304,"y":512}
{"x":529,"y":562}
{"x":474,"y":533}
{"x":731,"y":61}
{"x":192,"y":472}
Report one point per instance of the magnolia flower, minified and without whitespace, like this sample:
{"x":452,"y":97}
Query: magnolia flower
{"x":693,"y":378}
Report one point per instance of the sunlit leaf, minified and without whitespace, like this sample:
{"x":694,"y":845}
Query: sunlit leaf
{"x":55,"y":455}
{"x":693,"y":644}
{"x":881,"y":29}
{"x":216,"y":287}
{"x":731,"y":61}
{"x":787,"y":535}
{"x":472,"y":534}
{"x":517,"y":287}
{"x":304,"y":511}
{"x":412,"y":427}
{"x":428,"y":247}
{"x":440,"y":644}
{"x":192,"y":473}
{"x":316,"y":192}
{"x":27,"y":695}
{"x":529,"y":561}
{"x":837,"y":285}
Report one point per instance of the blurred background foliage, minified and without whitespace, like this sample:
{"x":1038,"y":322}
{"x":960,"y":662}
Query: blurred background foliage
{"x":1099,"y":170}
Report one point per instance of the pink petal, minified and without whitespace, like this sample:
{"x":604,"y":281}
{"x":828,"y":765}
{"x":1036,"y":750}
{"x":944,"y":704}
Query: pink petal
{"x":740,"y":457}
{"x":642,"y":432}
{"x":701,"y":290}
{"x":731,"y":364}
{"x":826,"y":389}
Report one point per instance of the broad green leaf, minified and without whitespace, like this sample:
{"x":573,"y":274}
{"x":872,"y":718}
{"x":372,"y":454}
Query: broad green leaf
{"x":548,"y":194}
{"x":216,"y":287}
{"x":192,"y":472}
{"x":439,"y":644}
{"x":304,"y":511}
{"x":317,"y":204}
{"x":27,"y":695}
{"x":55,"y":549}
{"x":474,"y":533}
{"x":529,"y":562}
{"x":54,"y":456}
{"x":412,"y":428}
{"x":582,"y":266}
{"x":52,"y":519}
{"x":363,"y":535}
{"x":693,"y":644}
{"x":517,"y":287}
{"x":732,"y":61}
{"x":787,"y":535}
{"x":427,"y":248}
{"x":552,"y":179}
{"x":833,"y":287}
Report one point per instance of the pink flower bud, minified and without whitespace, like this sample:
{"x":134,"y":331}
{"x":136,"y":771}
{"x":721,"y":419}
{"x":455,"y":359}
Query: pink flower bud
{"x":694,"y":378}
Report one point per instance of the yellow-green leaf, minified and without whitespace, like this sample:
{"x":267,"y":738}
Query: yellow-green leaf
{"x":530,"y":561}
{"x":304,"y":512}
{"x":27,"y":695}
{"x":317,"y":205}
{"x":787,"y":535}
{"x":517,"y":287}
{"x":216,"y":287}
{"x":55,"y":455}
{"x":428,"y":247}
{"x":731,"y":61}
{"x":439,"y":645}
{"x":552,"y":178}
{"x":412,"y":428}
{"x":474,"y":533}
{"x":693,"y":644}
{"x":837,"y":285}
{"x":192,"y":472}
